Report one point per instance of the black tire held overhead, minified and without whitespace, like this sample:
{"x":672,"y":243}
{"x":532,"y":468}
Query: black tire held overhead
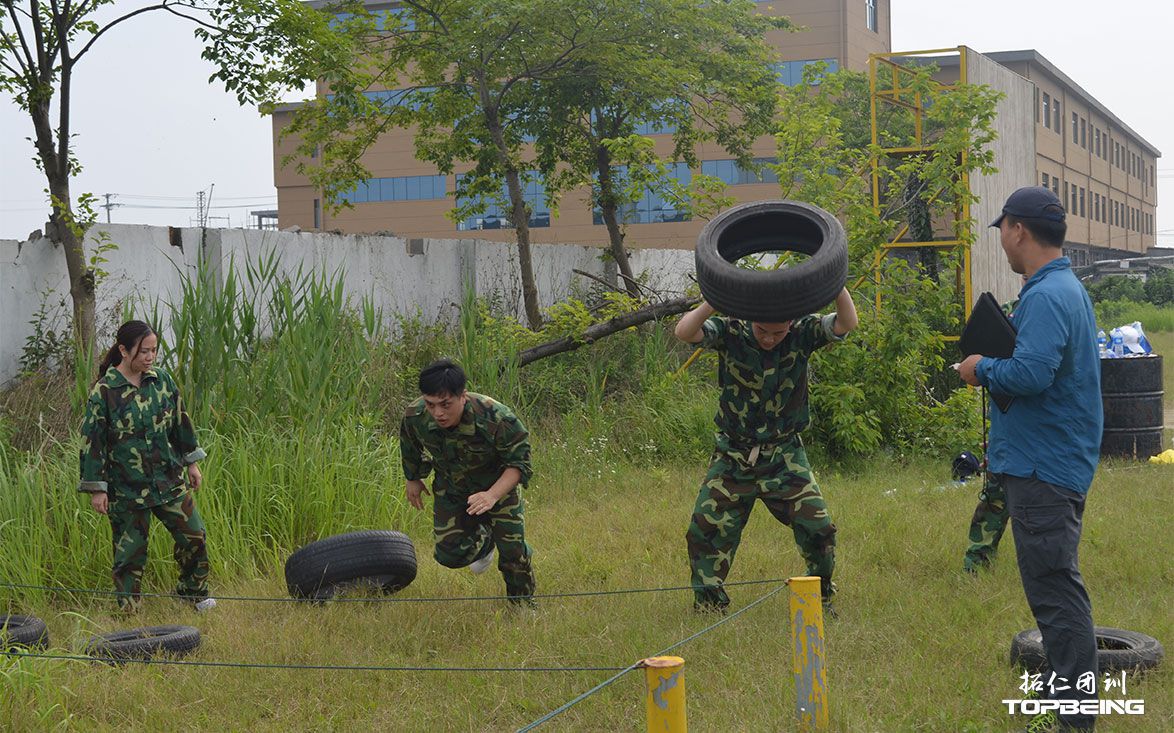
{"x":772,"y":295}
{"x":1117,"y":650}
{"x":381,"y":557}
{"x":25,"y":631}
{"x":145,"y":642}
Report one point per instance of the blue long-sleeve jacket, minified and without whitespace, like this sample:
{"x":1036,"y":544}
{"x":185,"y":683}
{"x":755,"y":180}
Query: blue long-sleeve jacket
{"x":1052,"y":430}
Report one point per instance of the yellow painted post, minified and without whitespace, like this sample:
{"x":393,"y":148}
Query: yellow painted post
{"x":811,"y":691}
{"x":665,"y":686}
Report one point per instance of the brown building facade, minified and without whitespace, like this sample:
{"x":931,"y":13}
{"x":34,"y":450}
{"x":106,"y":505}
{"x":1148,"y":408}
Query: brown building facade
{"x":1103,"y":171}
{"x":407,"y":197}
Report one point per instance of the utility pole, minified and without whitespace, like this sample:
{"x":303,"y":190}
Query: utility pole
{"x":108,"y":205}
{"x":201,"y":214}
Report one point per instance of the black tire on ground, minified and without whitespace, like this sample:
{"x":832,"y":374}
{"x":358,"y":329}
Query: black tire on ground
{"x":25,"y":631}
{"x":772,"y":295}
{"x":1117,"y":650}
{"x":145,"y":642}
{"x":382,"y":558}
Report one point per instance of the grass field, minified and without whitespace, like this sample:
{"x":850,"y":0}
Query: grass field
{"x":918,"y":646}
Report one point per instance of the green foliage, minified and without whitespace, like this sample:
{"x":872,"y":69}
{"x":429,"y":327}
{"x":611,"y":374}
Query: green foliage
{"x":277,"y":345}
{"x":1117,"y":287}
{"x":50,"y":343}
{"x":1114,"y":313}
{"x":1159,"y":287}
{"x":887,"y":386}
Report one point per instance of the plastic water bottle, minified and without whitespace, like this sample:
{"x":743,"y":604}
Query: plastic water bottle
{"x":1118,"y":343}
{"x":1102,"y":343}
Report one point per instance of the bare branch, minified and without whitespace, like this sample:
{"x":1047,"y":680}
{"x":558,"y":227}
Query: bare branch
{"x":101,"y":31}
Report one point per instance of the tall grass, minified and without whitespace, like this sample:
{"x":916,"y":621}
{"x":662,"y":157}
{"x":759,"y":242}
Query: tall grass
{"x":1114,"y":313}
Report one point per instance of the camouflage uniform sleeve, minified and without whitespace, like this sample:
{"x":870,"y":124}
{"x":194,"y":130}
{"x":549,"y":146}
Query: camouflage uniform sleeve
{"x":181,"y":432}
{"x":94,"y":444}
{"x":512,"y":441}
{"x":416,"y":466}
{"x":816,"y":331}
{"x":713,"y":333}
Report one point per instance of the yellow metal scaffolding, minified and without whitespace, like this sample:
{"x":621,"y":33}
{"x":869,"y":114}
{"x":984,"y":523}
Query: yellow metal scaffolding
{"x":894,"y":93}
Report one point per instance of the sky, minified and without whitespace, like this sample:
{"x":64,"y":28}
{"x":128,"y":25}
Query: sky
{"x":153,"y":131}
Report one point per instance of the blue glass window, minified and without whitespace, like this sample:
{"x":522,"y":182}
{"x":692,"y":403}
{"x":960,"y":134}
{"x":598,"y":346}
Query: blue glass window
{"x":734,"y":175}
{"x":401,"y":188}
{"x":652,"y":208}
{"x":496,"y":216}
{"x":790,"y":73}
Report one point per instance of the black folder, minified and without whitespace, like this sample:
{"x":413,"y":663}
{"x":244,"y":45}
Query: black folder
{"x":989,"y":332}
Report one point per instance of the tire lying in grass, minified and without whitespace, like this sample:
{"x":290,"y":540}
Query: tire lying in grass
{"x":1117,"y":650}
{"x":145,"y":642}
{"x":772,"y":295}
{"x":381,"y":558}
{"x":22,"y":631}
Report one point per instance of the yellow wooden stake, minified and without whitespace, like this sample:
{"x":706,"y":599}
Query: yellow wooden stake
{"x":665,"y":686}
{"x":811,"y":692}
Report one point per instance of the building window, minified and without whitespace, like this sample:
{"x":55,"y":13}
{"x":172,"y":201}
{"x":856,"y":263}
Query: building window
{"x":1047,"y":111}
{"x":1056,"y":185}
{"x":1057,"y":117}
{"x":1074,"y":208}
{"x":1096,"y":135}
{"x":790,"y":73}
{"x":652,"y":208}
{"x":1044,"y":180}
{"x":1075,"y":129}
{"x":1082,"y":201}
{"x":1065,"y":198}
{"x":400,"y":188}
{"x":1083,"y":135}
{"x":870,"y":7}
{"x":734,"y":175}
{"x":317,"y":213}
{"x":496,"y":213}
{"x":1037,"y":105}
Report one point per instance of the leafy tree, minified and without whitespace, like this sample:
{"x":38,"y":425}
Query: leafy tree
{"x":883,"y":386}
{"x":463,"y":74}
{"x":698,"y":70}
{"x":41,"y":45}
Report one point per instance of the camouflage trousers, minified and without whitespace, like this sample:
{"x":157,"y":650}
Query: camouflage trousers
{"x":130,"y":527}
{"x":987,"y":524}
{"x":781,"y":479}
{"x":462,"y":538}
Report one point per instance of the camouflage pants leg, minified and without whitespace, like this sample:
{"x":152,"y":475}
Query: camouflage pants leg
{"x":793,"y":497}
{"x":182,"y":519}
{"x":782,"y":479}
{"x":130,"y":528}
{"x":462,"y":538}
{"x":719,"y":515}
{"x":987,"y":525}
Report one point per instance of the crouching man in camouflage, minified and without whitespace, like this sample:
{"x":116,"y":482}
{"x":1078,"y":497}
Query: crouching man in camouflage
{"x":762,"y":373}
{"x":481,"y":454}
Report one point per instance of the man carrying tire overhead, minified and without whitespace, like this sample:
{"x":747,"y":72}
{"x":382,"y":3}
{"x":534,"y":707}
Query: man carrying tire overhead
{"x":480,"y":452}
{"x":762,"y":372}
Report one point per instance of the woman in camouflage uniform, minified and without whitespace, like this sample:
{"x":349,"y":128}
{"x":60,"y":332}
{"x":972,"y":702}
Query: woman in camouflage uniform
{"x":138,"y":444}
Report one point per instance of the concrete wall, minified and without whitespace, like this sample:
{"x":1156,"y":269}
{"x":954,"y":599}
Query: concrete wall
{"x":1015,"y":159}
{"x":429,"y":282}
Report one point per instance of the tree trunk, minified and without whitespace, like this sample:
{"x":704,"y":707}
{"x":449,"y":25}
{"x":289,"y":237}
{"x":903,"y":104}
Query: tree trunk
{"x":607,"y":204}
{"x":520,"y":213}
{"x":62,"y":226}
{"x":521,"y":217}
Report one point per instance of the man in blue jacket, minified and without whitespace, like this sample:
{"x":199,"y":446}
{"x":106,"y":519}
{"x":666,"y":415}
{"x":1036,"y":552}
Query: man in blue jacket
{"x":1046,"y":446}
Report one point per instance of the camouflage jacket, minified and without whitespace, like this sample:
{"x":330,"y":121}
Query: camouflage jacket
{"x":469,"y":457}
{"x":136,"y":441}
{"x":763,"y":393}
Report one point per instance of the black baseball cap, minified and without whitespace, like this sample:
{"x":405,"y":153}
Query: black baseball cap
{"x":1032,"y":202}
